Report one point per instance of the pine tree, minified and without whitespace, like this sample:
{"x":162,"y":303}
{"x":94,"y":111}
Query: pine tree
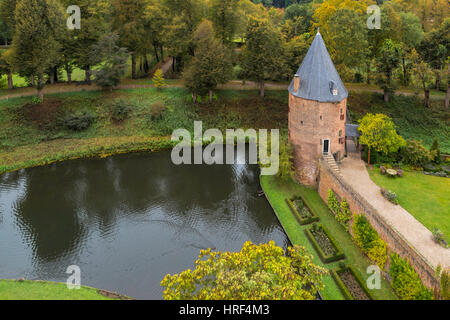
{"x":158,"y":79}
{"x":38,"y":25}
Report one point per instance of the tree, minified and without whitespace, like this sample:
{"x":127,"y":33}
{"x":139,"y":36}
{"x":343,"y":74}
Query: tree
{"x":7,"y":16}
{"x":158,"y":79}
{"x":295,"y":51}
{"x":224,"y":16}
{"x":387,"y":62}
{"x":6,"y":66}
{"x":378,"y":133}
{"x":423,"y":75}
{"x":286,"y":169}
{"x":211,"y":64}
{"x":112,"y":61}
{"x":128,"y":20}
{"x":411,"y":36}
{"x":38,"y":25}
{"x":261,"y":56}
{"x":347,"y":41}
{"x":257,"y":272}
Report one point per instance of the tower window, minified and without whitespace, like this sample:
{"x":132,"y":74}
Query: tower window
{"x":333,"y":88}
{"x":320,"y":117}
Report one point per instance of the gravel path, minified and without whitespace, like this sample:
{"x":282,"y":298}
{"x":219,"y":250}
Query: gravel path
{"x":355,"y":174}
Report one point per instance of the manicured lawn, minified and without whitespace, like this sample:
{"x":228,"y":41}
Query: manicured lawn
{"x":425,"y":197}
{"x":39,"y":290}
{"x":277,"y":192}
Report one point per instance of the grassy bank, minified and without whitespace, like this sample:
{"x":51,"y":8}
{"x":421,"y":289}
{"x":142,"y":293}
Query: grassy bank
{"x":43,"y":290}
{"x":425,"y":197}
{"x":277,"y":192}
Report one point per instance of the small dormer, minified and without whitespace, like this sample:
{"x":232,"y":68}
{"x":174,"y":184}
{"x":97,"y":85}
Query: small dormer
{"x":296,"y":82}
{"x":333,"y":88}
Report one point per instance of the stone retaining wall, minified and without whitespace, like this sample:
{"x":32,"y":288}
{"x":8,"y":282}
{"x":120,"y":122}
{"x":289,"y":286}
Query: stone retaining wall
{"x":328,"y":179}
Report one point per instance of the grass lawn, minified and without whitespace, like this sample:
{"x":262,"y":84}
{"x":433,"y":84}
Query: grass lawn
{"x":277,"y":192}
{"x":425,"y":197}
{"x":40,"y":290}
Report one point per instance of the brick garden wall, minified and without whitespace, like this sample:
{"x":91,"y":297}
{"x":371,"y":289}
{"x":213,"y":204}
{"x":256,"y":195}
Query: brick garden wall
{"x":328,"y":179}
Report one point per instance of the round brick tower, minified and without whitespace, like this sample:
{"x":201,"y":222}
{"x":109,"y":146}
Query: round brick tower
{"x":317,"y":112}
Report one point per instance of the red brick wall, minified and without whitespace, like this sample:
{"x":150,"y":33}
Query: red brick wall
{"x":396,"y":243}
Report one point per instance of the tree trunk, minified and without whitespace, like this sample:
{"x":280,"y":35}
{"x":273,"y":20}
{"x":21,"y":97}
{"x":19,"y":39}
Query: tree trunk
{"x":210,"y":96}
{"x":52,"y":77}
{"x":368,"y":157}
{"x":146,"y":65}
{"x":427,"y":98}
{"x":133,"y":66}
{"x":447,"y":96}
{"x":368,"y":73}
{"x":162,"y":52}
{"x":438,"y":81}
{"x":405,"y":72}
{"x":261,"y":89}
{"x":156,"y":53}
{"x":69,"y":77}
{"x":87,"y":73}
{"x":10,"y":80}
{"x":55,"y":71}
{"x":32,"y":80}
{"x":386,"y":95}
{"x":40,"y":87}
{"x":173,"y":64}
{"x":194,"y":97}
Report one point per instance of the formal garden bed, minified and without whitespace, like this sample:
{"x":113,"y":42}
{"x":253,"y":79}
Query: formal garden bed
{"x":351,"y":285}
{"x":302,"y":211}
{"x":324,"y":244}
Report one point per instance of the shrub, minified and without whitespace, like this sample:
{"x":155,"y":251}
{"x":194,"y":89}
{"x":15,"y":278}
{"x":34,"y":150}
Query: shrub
{"x":286,"y":168}
{"x":120,"y":110}
{"x":378,"y":253}
{"x":158,"y":79}
{"x":36,"y":100}
{"x":390,"y":196}
{"x":344,"y":215}
{"x":444,"y":280}
{"x":369,"y":241}
{"x":438,"y":237}
{"x":436,"y":152}
{"x":406,"y":281}
{"x":79,"y":122}
{"x":414,"y":153}
{"x":157,"y":110}
{"x":333,"y":202}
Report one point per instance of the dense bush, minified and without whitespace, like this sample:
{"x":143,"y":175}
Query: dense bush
{"x":344,"y":215}
{"x":406,"y":281}
{"x":333,"y":202}
{"x":120,"y":110}
{"x":414,"y":153}
{"x":438,"y":237}
{"x":79,"y":122}
{"x":436,"y":152}
{"x":369,"y":241}
{"x":157,"y":110}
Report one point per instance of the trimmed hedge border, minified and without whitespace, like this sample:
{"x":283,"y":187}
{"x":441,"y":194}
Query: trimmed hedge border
{"x":302,"y":221}
{"x":335,"y":274}
{"x":339,"y":255}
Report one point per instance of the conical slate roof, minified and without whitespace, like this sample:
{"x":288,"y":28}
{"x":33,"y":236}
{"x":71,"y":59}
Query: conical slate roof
{"x":319,"y":79}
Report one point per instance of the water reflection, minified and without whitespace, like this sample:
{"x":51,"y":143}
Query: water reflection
{"x":128,"y":220}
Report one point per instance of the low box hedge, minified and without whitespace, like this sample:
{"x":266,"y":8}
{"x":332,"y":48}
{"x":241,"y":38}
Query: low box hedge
{"x":335,"y":274}
{"x":303,"y":221}
{"x":339,"y":255}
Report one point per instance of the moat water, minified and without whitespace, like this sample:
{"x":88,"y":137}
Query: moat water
{"x":128,"y":220}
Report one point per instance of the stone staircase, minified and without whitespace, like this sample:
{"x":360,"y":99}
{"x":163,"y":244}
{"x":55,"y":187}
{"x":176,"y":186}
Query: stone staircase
{"x":332,"y":163}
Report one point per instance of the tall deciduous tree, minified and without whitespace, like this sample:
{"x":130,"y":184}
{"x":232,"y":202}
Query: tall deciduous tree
{"x":7,"y":65}
{"x":211,"y":64}
{"x":387,"y":62}
{"x":261,"y":56}
{"x":378,"y":132}
{"x":423,"y":75}
{"x":224,"y":16}
{"x":128,"y":20}
{"x":38,"y":25}
{"x":257,"y":272}
{"x":7,"y":9}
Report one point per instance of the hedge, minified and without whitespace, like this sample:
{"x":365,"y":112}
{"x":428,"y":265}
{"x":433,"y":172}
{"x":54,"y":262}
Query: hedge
{"x":297,"y":215}
{"x":339,"y":255}
{"x":335,"y":274}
